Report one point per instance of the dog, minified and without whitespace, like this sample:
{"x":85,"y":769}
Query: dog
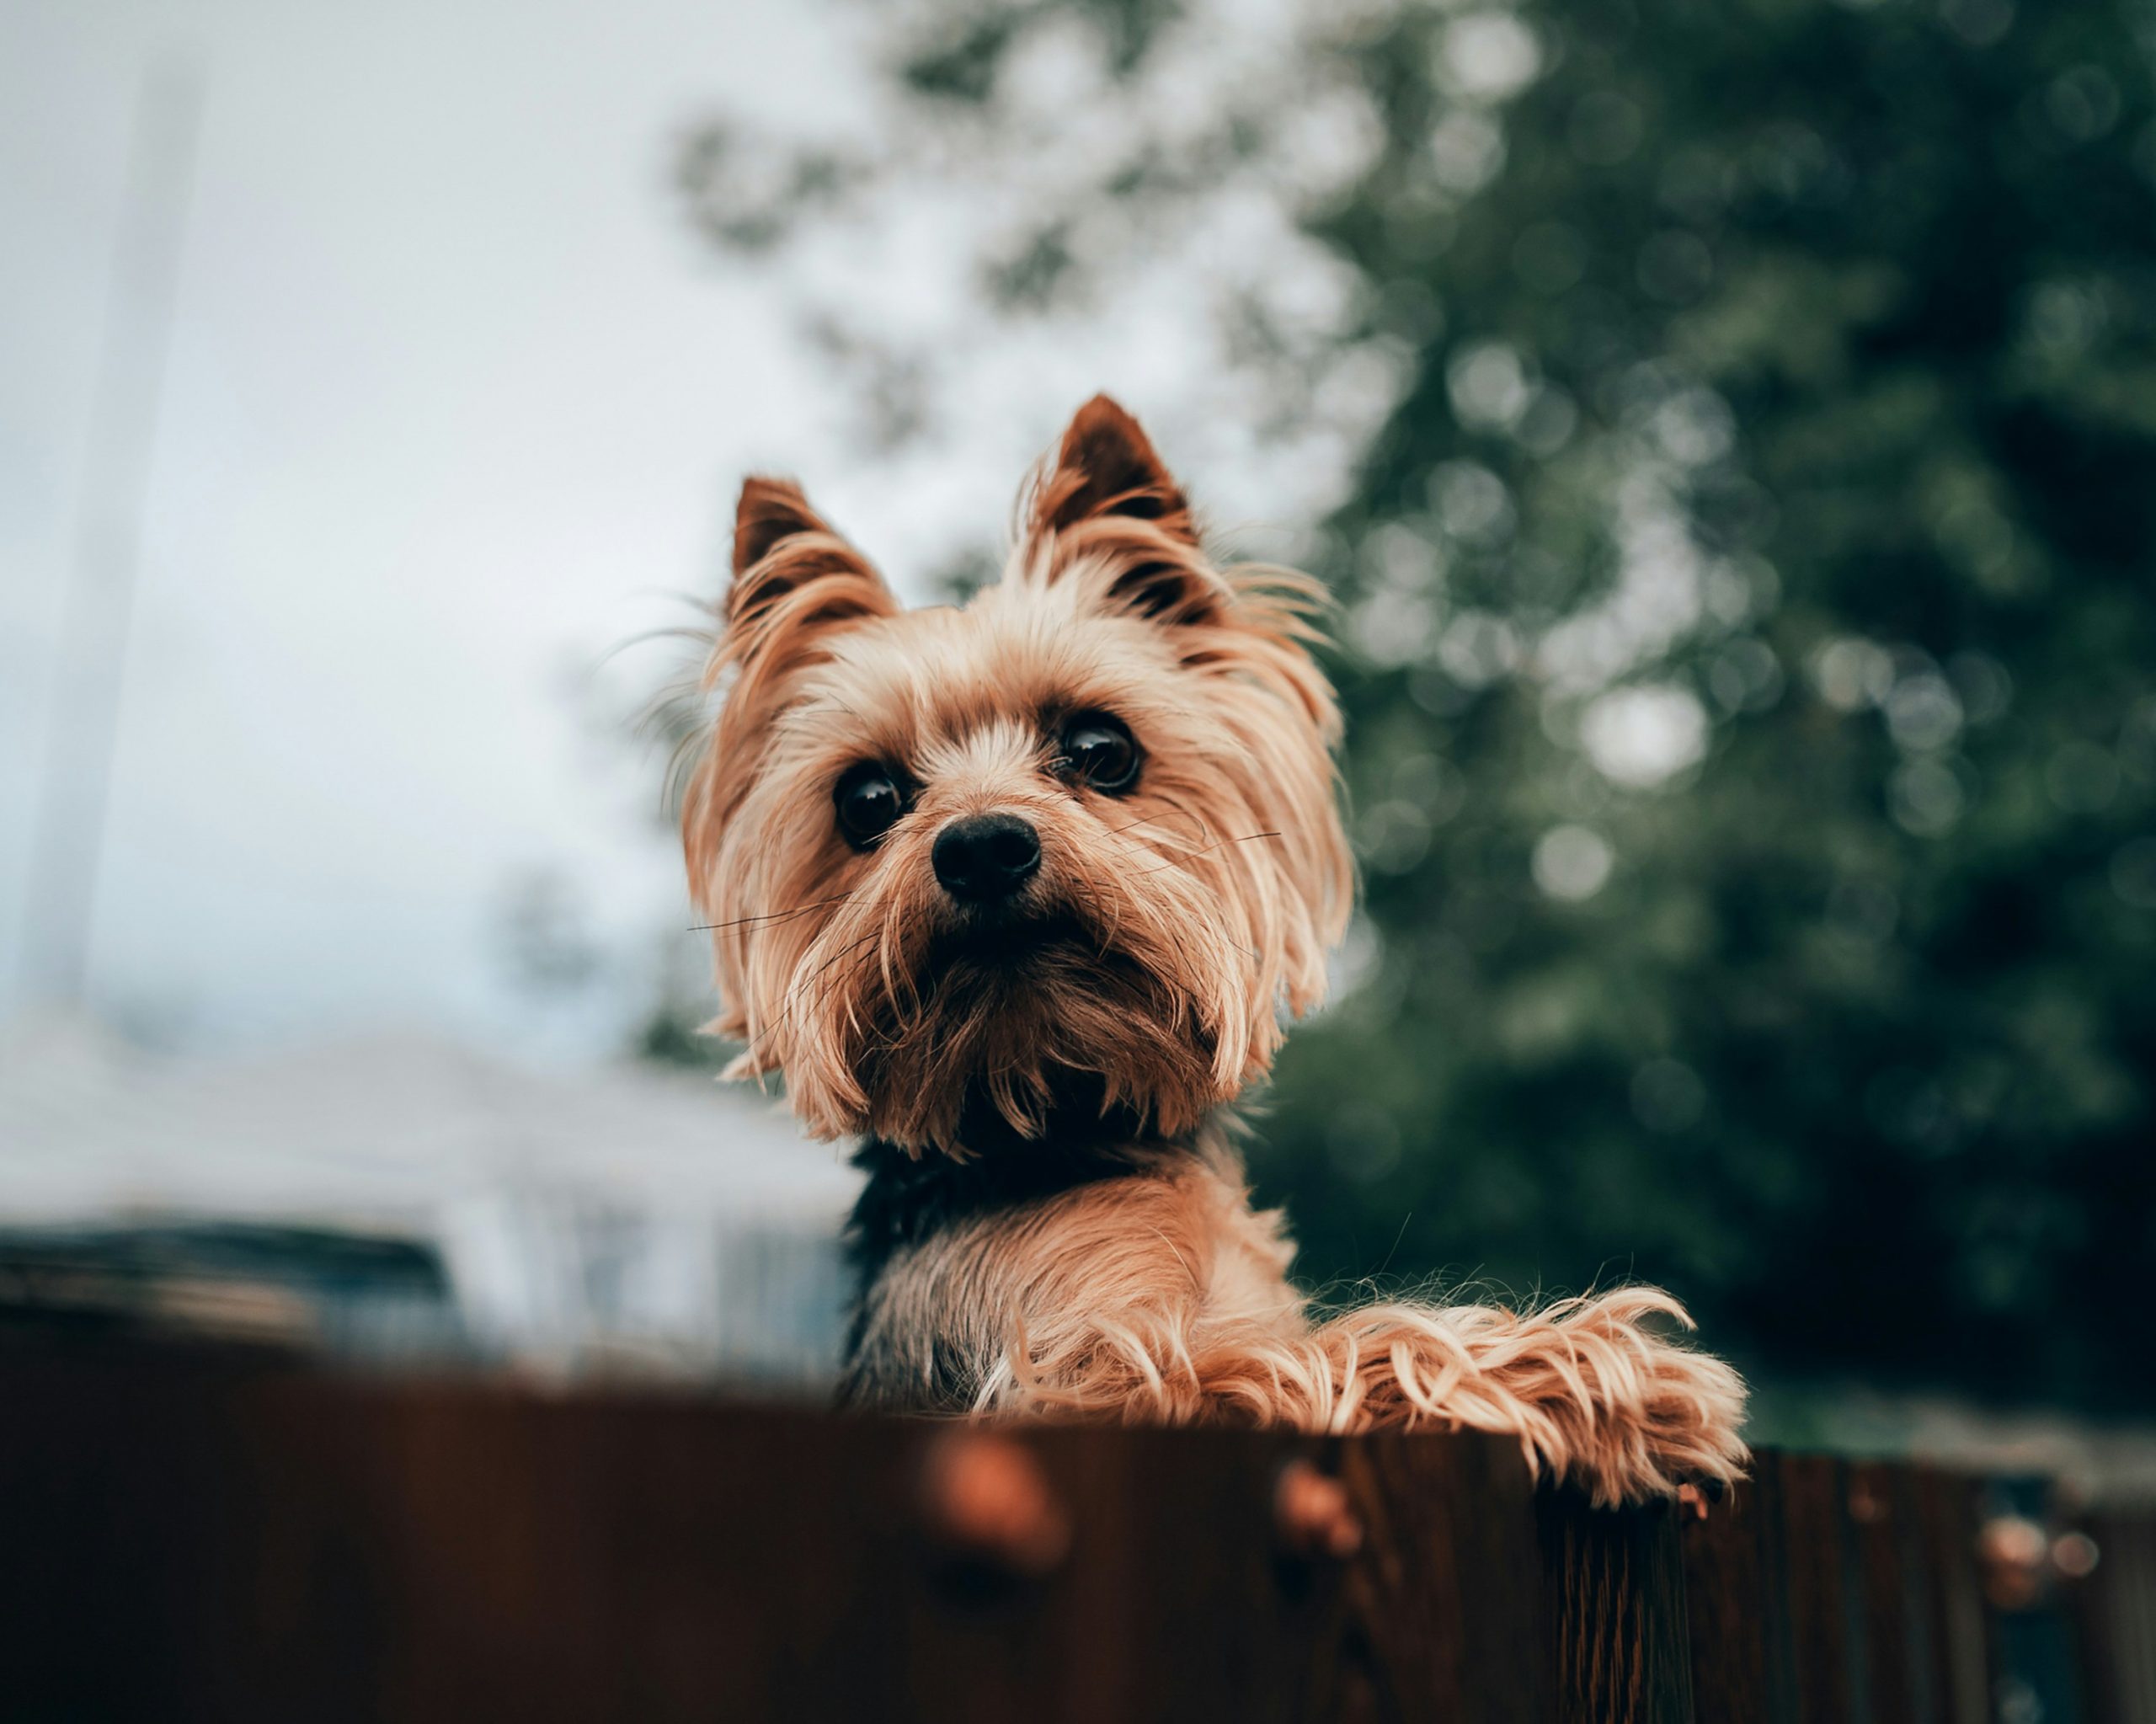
{"x":1022,"y":894}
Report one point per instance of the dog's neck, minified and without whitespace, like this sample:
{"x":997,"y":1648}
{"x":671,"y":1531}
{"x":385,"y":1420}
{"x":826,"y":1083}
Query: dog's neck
{"x":911,"y":1195}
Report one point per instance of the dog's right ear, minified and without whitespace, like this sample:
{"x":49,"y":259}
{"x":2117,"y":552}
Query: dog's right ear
{"x":796,"y":583}
{"x":794,"y":580}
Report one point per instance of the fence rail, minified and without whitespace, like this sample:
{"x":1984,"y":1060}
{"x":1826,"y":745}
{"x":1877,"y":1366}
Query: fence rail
{"x":191,"y":1536}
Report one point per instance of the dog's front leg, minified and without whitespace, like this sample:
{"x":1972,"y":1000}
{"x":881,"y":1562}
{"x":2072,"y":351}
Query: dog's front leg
{"x":1160,"y":1302}
{"x":1594,"y":1395}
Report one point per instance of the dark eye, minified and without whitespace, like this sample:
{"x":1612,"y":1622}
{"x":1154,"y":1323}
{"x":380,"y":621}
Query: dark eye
{"x":869,"y":800}
{"x":1097,"y":751}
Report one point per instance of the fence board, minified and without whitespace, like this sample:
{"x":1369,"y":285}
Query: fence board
{"x":1732,"y":1604}
{"x":2114,"y":1611}
{"x":1815,"y":1547}
{"x":1441,"y":1619}
{"x":1957,"y":1635}
{"x":1616,"y":1587}
{"x":1882,"y":1510}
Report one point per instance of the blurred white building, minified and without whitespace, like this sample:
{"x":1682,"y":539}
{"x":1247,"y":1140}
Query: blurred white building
{"x":621,"y":1218}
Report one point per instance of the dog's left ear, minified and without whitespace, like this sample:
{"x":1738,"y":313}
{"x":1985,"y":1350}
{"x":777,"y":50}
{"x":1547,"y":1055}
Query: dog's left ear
{"x":1107,"y":491}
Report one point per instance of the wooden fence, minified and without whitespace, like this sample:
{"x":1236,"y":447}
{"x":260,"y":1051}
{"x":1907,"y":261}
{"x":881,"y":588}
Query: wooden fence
{"x":193,"y":1536}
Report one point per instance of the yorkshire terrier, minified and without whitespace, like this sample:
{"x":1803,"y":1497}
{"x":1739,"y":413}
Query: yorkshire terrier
{"x":1022,"y":893}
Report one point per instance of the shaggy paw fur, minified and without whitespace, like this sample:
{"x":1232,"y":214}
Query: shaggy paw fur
{"x":1599,"y":1396}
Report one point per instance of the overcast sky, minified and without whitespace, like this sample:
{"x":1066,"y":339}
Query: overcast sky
{"x":454,"y":401}
{"x":455,"y":404}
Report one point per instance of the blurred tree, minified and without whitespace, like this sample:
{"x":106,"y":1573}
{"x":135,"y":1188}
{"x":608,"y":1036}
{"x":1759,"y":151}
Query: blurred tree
{"x":1749,"y":610}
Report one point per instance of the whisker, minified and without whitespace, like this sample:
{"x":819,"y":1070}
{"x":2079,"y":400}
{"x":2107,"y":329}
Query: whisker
{"x":797,"y":990}
{"x":1191,"y":856}
{"x":774,"y":916}
{"x":1150,"y":819}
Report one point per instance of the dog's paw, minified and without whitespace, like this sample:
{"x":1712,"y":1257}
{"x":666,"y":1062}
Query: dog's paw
{"x":1694,"y":1423}
{"x":1663,"y":1417}
{"x":1595,"y":1390}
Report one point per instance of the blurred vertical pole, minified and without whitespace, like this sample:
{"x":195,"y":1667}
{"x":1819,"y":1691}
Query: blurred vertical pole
{"x":60,"y":903}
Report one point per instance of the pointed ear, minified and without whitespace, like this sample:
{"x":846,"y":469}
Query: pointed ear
{"x":770,"y":509}
{"x":793,"y":576}
{"x":1107,"y":466}
{"x":1107,"y":502}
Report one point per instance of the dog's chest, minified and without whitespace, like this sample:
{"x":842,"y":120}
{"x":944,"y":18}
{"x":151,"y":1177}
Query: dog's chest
{"x":962,"y":1281}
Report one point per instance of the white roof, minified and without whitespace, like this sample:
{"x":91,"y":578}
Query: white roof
{"x":380,"y":1130}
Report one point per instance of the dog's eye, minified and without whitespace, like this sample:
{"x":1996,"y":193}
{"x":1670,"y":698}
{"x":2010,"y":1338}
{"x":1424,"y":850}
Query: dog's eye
{"x":1098,"y":751}
{"x":869,"y":800}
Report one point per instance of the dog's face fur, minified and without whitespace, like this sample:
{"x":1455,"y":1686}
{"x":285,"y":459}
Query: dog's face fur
{"x":1069,"y":851}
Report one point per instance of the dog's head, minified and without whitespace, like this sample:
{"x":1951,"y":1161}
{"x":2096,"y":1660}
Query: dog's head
{"x":1074,"y":845}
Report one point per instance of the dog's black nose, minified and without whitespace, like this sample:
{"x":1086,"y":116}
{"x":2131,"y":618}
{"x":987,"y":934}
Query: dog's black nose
{"x":985,"y":858}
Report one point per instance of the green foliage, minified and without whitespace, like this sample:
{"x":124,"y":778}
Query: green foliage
{"x":1749,"y":647}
